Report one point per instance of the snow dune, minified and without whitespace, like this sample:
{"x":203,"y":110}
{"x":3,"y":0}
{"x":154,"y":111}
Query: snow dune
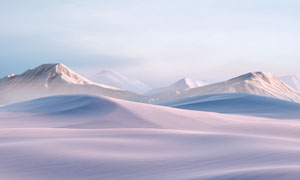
{"x":237,"y":103}
{"x":90,"y":137}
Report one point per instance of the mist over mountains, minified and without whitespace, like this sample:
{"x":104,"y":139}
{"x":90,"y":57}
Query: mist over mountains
{"x":58,"y":79}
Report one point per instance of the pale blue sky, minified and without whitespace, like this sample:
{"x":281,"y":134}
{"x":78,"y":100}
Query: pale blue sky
{"x":157,"y":41}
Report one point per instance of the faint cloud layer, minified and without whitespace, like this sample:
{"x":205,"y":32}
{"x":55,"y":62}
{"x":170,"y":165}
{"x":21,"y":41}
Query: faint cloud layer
{"x":153,"y":39}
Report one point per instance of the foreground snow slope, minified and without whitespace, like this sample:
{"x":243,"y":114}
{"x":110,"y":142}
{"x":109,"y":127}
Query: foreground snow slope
{"x":52,"y":79}
{"x":90,"y":137}
{"x":257,"y":83}
{"x":236,"y":103}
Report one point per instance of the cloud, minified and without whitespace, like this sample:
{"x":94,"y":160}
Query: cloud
{"x":153,"y":39}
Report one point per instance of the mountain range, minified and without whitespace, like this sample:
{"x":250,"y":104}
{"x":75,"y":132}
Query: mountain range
{"x":257,"y":83}
{"x":58,"y":79}
{"x":53,"y":79}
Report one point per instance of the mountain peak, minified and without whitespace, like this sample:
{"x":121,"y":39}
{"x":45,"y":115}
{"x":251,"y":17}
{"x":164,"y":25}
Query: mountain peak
{"x":53,"y":79}
{"x":46,"y":68}
{"x":119,"y":80}
{"x":58,"y":72}
{"x":186,"y":83}
{"x":259,"y":83}
{"x":253,"y":76}
{"x":180,"y":85}
{"x":112,"y":74}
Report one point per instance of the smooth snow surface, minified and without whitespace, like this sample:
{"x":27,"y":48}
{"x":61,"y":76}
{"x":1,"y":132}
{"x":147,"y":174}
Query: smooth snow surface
{"x":52,"y":79}
{"x":236,"y":103}
{"x":174,"y":89}
{"x":292,"y":81}
{"x":116,"y":79}
{"x":82,"y":137}
{"x":257,"y":83}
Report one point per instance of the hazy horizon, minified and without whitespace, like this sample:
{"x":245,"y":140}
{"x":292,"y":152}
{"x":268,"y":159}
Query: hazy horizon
{"x":156,"y":42}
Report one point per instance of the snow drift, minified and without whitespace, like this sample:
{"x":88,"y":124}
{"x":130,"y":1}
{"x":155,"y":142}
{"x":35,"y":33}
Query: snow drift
{"x":236,"y":103}
{"x":52,"y":79}
{"x":90,"y":137}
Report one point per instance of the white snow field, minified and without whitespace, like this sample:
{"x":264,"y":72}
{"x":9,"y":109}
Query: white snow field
{"x":257,"y":83}
{"x":83,"y":137}
{"x":121,"y":81}
{"x":53,"y":79}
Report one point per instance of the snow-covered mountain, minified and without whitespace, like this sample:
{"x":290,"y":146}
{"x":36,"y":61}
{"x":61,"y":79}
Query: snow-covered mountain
{"x":292,"y":81}
{"x":121,"y":81}
{"x":175,"y":88}
{"x":258,"y":83}
{"x":52,"y":79}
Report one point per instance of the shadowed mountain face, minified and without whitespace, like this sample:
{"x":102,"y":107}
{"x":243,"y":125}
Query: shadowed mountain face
{"x":52,"y":79}
{"x":257,"y":83}
{"x":236,"y":103}
{"x":292,"y":81}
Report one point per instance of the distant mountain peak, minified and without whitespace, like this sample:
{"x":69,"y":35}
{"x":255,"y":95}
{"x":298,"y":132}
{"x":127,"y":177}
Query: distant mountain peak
{"x":186,"y":83}
{"x":56,"y":71}
{"x":254,"y":75}
{"x":53,"y":79}
{"x":258,"y":83}
{"x":56,"y":68}
{"x":119,"y":80}
{"x":180,"y":85}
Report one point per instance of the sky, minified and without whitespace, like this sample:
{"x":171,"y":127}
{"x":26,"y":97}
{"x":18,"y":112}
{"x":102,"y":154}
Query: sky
{"x":157,"y":41}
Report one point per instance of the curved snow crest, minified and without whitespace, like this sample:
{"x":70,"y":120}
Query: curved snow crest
{"x":117,"y":139}
{"x":79,"y":105}
{"x":237,"y":103}
{"x":53,"y":79}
